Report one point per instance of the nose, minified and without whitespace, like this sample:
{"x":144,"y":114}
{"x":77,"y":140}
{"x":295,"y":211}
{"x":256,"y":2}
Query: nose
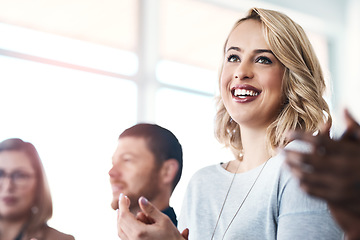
{"x":7,"y":184}
{"x":113,"y":172}
{"x":244,"y":71}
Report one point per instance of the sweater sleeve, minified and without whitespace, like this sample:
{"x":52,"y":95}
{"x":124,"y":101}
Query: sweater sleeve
{"x":185,"y":213}
{"x":302,"y":216}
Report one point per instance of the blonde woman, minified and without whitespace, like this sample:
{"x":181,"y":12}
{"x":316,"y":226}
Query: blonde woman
{"x":270,"y":82}
{"x":25,"y":200}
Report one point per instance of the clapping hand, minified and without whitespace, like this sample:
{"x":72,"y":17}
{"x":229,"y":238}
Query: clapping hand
{"x":150,"y":223}
{"x":331,"y":171}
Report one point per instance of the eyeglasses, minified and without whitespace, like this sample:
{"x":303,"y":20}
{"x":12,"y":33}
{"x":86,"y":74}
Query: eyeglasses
{"x":18,"y":178}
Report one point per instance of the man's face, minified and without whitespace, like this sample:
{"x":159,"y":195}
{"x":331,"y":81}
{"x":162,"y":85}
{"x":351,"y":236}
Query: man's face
{"x":134,"y":172}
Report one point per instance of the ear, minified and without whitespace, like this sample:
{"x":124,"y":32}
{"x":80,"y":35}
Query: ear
{"x":169,"y":170}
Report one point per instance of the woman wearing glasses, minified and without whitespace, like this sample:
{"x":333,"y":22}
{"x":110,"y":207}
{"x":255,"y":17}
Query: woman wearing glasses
{"x":25,"y":200}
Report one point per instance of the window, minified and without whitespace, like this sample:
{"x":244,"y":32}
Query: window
{"x":191,"y":118}
{"x":73,"y":118}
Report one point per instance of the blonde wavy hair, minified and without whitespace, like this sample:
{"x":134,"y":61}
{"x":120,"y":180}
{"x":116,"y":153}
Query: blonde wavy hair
{"x":303,"y":84}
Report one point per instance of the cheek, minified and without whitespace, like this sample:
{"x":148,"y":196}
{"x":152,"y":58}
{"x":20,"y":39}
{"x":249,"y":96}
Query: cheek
{"x":277,"y":82}
{"x":223,"y":82}
{"x":222,"y":87}
{"x":274,"y":82}
{"x":29,"y":194}
{"x":134,"y":175}
{"x":227,"y":76}
{"x":278,"y":77}
{"x":276,"y":94}
{"x":26,"y":200}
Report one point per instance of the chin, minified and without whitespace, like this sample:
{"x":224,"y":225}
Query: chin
{"x":12,"y":215}
{"x":115,"y":203}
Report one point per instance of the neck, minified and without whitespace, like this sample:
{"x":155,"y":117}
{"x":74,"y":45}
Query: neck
{"x":255,"y":147}
{"x":9,"y":229}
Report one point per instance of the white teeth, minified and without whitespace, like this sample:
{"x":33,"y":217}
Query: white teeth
{"x":244,"y":93}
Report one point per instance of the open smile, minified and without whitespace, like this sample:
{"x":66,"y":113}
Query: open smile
{"x":245,"y":93}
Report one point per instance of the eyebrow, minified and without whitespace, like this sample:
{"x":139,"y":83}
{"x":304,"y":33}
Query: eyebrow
{"x":234,"y":48}
{"x":263,"y":50}
{"x":256,"y":51}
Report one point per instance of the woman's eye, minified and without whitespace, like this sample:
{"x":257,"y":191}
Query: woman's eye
{"x":20,"y":175}
{"x":233,"y":58}
{"x":263,"y":60}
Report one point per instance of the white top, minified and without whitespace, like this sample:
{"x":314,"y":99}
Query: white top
{"x":276,"y":207}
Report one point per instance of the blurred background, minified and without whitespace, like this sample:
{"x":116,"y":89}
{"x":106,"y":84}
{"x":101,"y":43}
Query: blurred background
{"x":75,"y":73}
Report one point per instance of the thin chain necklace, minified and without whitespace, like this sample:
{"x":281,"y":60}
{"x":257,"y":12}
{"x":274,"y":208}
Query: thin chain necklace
{"x":226,"y":196}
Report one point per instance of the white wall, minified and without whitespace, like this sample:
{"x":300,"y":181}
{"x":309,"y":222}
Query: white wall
{"x":349,"y":80}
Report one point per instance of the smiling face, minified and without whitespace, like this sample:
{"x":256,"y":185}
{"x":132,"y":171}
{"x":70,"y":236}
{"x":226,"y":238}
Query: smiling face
{"x":17,"y":193}
{"x":134,"y":172}
{"x":251,"y":79}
